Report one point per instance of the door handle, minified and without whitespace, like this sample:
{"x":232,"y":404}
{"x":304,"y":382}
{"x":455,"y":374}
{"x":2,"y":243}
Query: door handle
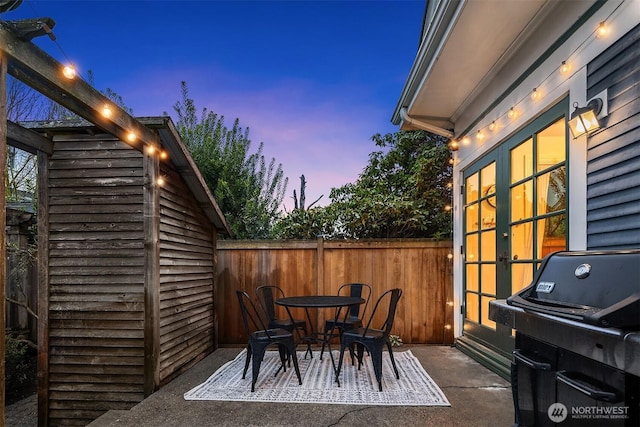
{"x":504,"y":258}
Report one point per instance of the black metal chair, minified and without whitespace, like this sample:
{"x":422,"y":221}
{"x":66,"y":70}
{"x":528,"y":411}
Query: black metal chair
{"x":261,"y":336}
{"x":373,"y":339}
{"x":267,"y":295}
{"x":353,"y":319}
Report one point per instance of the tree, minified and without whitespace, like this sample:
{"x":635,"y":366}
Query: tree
{"x":403,"y":192}
{"x":248,"y":190}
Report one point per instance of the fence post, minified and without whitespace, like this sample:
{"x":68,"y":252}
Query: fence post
{"x":320,"y":267}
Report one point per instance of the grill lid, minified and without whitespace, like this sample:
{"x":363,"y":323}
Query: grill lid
{"x":596,"y":287}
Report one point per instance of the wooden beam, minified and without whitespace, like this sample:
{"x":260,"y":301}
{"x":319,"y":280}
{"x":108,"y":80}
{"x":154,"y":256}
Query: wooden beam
{"x":151,"y":275}
{"x":28,"y":29}
{"x":31,"y":65}
{"x":27,"y":140}
{"x":43,"y":289}
{"x":3,"y":224}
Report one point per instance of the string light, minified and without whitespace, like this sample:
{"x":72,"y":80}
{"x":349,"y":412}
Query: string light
{"x":535,"y":94}
{"x":69,"y":71}
{"x":466,"y":140}
{"x":106,"y":111}
{"x":453,"y":145}
{"x":131,"y":137}
{"x":151,"y":150}
{"x":602,"y":30}
{"x":447,"y":208}
{"x":164,"y":155}
{"x":160,"y":181}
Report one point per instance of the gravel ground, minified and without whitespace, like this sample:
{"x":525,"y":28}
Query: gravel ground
{"x":23,"y":413}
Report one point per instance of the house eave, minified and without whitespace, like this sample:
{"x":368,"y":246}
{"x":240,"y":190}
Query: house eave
{"x":462,"y":51}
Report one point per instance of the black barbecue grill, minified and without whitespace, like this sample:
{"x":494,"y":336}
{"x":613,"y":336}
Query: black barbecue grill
{"x":577,"y":346}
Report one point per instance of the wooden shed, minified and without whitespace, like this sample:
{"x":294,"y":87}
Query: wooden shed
{"x":127,"y":266}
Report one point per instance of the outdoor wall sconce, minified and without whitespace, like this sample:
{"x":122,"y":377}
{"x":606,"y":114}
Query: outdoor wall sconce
{"x":585,"y":119}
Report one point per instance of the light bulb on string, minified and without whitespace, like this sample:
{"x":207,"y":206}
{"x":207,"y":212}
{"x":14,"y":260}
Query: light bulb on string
{"x":69,"y":71}
{"x":602,"y":30}
{"x":565,"y":67}
{"x":535,"y":94}
{"x":493,"y":126}
{"x":131,"y":136}
{"x":106,"y":111}
{"x":466,"y":140}
{"x":512,"y":113}
{"x":164,"y":155}
{"x":479,"y":135}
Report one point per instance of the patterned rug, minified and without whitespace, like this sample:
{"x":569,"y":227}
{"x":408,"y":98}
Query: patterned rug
{"x":357,"y":387}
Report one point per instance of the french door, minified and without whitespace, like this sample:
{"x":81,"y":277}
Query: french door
{"x":515,"y":213}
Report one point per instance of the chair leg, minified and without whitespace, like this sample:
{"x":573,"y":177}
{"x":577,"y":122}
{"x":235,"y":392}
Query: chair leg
{"x":324,"y":341}
{"x":294,"y":356}
{"x":376,"y":359}
{"x":342,"y":347}
{"x":284,"y":356}
{"x":393,"y":361}
{"x":360,"y":354}
{"x":246,"y":362}
{"x":258,"y":355}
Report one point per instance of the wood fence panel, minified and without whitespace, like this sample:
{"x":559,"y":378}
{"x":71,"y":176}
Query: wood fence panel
{"x":419,"y":267}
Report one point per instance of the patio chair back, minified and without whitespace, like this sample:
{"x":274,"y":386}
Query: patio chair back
{"x":361,"y":290}
{"x":393,"y":296}
{"x":267,"y":295}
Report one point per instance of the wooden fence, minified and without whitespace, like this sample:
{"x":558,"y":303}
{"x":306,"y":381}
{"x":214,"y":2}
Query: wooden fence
{"x":420,"y":267}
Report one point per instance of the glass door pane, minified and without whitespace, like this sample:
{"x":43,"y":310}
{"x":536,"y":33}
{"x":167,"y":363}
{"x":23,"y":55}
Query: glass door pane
{"x":515,"y":213}
{"x":480,"y":244}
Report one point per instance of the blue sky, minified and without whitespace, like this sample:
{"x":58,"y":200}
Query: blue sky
{"x":313,"y":80}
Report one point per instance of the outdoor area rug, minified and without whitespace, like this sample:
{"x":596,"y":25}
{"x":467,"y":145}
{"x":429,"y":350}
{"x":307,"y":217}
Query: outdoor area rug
{"x":357,"y":387}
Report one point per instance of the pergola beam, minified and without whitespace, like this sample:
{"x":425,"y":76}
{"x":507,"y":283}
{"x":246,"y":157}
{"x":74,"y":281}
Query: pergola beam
{"x":27,"y":140}
{"x":34,"y":67}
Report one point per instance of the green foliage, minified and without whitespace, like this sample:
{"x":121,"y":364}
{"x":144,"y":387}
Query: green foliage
{"x":402,"y":193}
{"x":20,"y":369}
{"x":248,"y":190}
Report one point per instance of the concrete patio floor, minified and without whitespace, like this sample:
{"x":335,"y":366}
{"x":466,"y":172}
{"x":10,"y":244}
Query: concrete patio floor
{"x":478,"y":397}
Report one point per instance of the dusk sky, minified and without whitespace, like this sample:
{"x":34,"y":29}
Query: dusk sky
{"x":313,"y":80}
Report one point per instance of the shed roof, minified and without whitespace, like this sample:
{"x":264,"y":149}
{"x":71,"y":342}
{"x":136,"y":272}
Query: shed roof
{"x":178,"y":155}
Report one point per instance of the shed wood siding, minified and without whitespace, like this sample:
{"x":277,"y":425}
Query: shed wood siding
{"x":419,"y":266}
{"x":96,"y":275}
{"x":613,"y":168}
{"x":186,"y":279}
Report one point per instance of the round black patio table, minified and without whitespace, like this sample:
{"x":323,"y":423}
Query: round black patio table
{"x":320,"y":301}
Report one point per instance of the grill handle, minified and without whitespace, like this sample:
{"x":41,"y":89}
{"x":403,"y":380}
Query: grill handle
{"x":592,"y":392}
{"x":533,"y":364}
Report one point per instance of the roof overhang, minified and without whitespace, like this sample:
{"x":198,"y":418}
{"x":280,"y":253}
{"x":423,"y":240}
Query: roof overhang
{"x":465,"y":44}
{"x":184,"y":164}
